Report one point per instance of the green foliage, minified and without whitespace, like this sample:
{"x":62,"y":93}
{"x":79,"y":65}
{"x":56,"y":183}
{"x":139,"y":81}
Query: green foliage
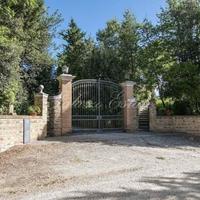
{"x":182,"y":108}
{"x":34,"y":110}
{"x":75,"y":50}
{"x":169,"y":57}
{"x":182,"y":79}
{"x":171,"y":107}
{"x":165,"y":108}
{"x":162,"y":58}
{"x":10,"y":50}
{"x":26,"y":32}
{"x":108,"y":52}
{"x":179,"y":27}
{"x":129,"y":46}
{"x":113,"y":57}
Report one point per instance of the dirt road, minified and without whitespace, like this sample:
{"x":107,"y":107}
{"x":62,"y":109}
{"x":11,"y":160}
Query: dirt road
{"x":113,"y":166}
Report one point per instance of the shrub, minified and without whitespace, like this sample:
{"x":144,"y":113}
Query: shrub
{"x":182,"y":108}
{"x":34,"y":110}
{"x":173,"y":107}
{"x":164,"y":110}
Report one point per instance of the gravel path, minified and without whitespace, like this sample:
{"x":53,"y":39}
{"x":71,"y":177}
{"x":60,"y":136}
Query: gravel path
{"x":113,"y":166}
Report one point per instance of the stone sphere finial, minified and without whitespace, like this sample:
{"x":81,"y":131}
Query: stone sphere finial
{"x":65,"y":69}
{"x":41,"y":88}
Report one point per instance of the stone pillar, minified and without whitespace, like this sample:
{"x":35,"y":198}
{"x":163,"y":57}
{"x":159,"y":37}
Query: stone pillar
{"x":152,"y":117}
{"x":66,"y":102}
{"x":41,"y":100}
{"x":130,"y":109}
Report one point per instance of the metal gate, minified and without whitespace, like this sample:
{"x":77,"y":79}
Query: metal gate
{"x":97,"y":105}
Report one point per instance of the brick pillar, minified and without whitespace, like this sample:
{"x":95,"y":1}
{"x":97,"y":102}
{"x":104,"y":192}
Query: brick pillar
{"x":66,"y":102}
{"x":54,"y":122}
{"x":152,"y":116}
{"x":130,"y":108}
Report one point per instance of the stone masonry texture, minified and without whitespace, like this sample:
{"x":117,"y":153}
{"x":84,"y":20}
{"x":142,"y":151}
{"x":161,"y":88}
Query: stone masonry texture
{"x":11,"y":127}
{"x":174,"y":124}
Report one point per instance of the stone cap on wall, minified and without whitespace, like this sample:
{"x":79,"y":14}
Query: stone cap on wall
{"x":55,"y":97}
{"x":20,"y":117}
{"x":66,"y":77}
{"x":41,"y":95}
{"x":128,"y":83}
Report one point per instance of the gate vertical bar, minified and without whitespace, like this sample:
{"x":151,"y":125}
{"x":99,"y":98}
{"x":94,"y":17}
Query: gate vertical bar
{"x":99,"y":105}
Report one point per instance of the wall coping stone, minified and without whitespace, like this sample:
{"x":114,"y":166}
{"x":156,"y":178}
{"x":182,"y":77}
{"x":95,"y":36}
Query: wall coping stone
{"x":178,"y":116}
{"x":55,"y":97}
{"x":66,"y":77}
{"x":19,"y":117}
{"x":41,"y":94}
{"x":128,"y":83}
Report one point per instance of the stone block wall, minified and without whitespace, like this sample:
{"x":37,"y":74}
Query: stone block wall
{"x":11,"y":126}
{"x":174,"y":124}
{"x":11,"y":130}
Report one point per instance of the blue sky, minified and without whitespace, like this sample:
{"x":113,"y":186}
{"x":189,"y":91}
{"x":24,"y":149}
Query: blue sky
{"x":92,"y":15}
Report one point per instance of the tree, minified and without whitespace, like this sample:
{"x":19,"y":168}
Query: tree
{"x":90,"y":67}
{"x":74,"y":51}
{"x":25,"y":36}
{"x":179,"y":30}
{"x":35,"y":60}
{"x":184,"y":85}
{"x":154,"y":62}
{"x":10,"y":51}
{"x":107,"y":55}
{"x":179,"y":27}
{"x":169,"y":53}
{"x":129,"y":45}
{"x":118,"y":48}
{"x":112,"y":57}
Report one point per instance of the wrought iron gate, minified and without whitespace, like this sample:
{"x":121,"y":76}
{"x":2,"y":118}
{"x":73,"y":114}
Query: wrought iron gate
{"x":97,"y":105}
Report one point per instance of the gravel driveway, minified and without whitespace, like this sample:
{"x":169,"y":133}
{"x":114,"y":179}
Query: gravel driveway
{"x":113,"y":166}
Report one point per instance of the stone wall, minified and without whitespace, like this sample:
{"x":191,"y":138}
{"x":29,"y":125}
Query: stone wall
{"x":174,"y":124}
{"x":11,"y":126}
{"x":11,"y":130}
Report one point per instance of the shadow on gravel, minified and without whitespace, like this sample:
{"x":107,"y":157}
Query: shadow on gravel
{"x":186,"y":188}
{"x":138,"y":139}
